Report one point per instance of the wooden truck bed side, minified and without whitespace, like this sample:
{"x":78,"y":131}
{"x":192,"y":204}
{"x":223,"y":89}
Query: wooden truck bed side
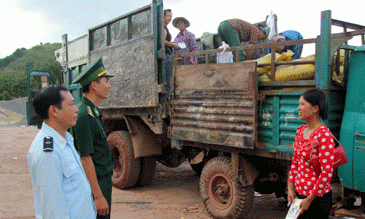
{"x":215,"y":104}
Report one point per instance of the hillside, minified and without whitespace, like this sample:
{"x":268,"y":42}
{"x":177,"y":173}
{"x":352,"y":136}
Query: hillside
{"x":14,"y":68}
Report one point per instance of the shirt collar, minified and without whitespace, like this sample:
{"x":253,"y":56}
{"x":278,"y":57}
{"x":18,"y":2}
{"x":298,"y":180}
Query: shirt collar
{"x":183,"y":33}
{"x":61,"y":141}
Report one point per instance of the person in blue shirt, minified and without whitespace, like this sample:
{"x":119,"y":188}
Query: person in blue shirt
{"x":60,"y":186}
{"x":289,"y":35}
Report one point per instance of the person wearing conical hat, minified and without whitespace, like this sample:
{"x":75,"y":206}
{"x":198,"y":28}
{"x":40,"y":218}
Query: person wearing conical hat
{"x":90,"y":138}
{"x":185,"y":40}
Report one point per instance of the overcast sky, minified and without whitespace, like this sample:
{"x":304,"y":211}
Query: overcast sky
{"x":26,"y":23}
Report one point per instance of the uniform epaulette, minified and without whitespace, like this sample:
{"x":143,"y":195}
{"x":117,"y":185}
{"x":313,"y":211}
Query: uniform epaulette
{"x":89,"y":111}
{"x":48,"y":144}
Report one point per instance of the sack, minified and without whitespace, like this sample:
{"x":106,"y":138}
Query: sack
{"x":207,"y":39}
{"x":295,"y":72}
{"x":224,"y":57}
{"x":286,"y":56}
{"x":271,"y":23}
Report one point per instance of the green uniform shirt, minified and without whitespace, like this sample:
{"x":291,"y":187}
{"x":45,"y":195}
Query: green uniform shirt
{"x":90,"y":138}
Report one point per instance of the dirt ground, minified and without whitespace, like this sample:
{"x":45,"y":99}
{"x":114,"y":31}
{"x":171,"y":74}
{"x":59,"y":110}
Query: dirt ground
{"x":174,"y":192}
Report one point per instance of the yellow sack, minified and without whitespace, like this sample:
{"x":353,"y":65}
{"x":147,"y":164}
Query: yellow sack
{"x":342,"y":57}
{"x":295,"y":72}
{"x":264,"y":77}
{"x":286,"y":56}
{"x":337,"y":77}
{"x":263,"y":60}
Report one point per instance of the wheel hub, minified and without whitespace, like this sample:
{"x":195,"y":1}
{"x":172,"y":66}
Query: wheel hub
{"x":221,"y":191}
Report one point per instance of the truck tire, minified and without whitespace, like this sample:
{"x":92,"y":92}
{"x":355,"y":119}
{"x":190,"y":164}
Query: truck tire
{"x":221,"y":191}
{"x":127,"y":170}
{"x":147,"y":171}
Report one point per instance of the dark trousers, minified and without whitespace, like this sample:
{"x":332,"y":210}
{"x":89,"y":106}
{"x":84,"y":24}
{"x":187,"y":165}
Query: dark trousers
{"x":168,"y":74}
{"x":320,"y":207}
{"x":105,"y":183}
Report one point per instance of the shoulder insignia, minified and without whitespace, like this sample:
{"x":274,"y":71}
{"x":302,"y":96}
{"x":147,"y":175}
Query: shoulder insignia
{"x":48,"y":144}
{"x":97,"y":112}
{"x":89,"y":111}
{"x":60,"y":140}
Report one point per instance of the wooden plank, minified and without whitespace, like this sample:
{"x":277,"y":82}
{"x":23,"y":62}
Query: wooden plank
{"x":215,"y":104}
{"x":228,"y":76}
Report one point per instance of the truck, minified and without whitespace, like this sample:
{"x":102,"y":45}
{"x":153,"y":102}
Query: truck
{"x":235,"y":131}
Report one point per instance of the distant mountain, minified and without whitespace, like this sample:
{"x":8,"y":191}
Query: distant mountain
{"x":14,"y":68}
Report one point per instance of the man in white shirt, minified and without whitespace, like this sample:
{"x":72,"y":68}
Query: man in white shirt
{"x":60,"y":186}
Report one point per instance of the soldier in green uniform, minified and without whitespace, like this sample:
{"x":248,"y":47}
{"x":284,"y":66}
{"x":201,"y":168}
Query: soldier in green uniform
{"x":90,"y":138}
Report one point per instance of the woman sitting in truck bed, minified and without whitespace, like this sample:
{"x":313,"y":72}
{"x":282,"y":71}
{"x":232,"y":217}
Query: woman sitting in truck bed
{"x":185,"y":40}
{"x":312,"y":165}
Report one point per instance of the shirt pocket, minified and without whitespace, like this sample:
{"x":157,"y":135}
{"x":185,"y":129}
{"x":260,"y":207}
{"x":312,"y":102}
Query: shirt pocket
{"x":70,"y":174}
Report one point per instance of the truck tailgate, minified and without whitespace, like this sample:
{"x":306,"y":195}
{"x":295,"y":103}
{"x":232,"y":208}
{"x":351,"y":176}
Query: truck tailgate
{"x":215,"y":104}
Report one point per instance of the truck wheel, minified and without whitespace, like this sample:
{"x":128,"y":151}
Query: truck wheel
{"x":127,"y":168}
{"x":147,"y":171}
{"x":222,"y":193}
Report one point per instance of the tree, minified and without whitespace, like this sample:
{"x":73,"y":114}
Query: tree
{"x":14,"y":68}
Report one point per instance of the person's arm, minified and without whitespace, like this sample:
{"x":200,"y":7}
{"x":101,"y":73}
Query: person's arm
{"x":101,"y":204}
{"x":48,"y":177}
{"x":291,"y":192}
{"x":254,"y":35}
{"x":249,"y":54}
{"x":304,"y":205}
{"x":169,"y":44}
{"x":326,"y":159}
{"x":292,"y":174}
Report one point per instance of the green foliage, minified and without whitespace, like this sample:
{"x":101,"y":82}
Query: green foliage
{"x":17,"y":54}
{"x":14,"y":69}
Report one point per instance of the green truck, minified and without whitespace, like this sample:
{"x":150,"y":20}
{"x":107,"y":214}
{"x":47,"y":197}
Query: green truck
{"x":235,"y":131}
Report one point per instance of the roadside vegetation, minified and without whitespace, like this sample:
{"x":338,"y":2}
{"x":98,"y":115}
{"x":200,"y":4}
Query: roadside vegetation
{"x":14,"y":68}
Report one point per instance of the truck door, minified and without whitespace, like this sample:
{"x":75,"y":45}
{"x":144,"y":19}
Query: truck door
{"x":37,"y":79}
{"x":352,"y":134}
{"x":359,"y":135}
{"x":359,"y":151}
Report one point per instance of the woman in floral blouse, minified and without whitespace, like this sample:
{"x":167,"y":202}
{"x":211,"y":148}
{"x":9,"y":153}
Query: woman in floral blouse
{"x":312,"y":165}
{"x":185,"y":40}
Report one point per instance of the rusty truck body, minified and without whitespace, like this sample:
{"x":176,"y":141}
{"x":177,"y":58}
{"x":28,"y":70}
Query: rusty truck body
{"x":236,"y":131}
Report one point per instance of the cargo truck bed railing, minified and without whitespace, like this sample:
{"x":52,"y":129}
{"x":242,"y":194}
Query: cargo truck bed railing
{"x":323,"y":47}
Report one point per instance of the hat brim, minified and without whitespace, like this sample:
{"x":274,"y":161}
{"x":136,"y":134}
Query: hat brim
{"x":176,"y":20}
{"x":107,"y":75}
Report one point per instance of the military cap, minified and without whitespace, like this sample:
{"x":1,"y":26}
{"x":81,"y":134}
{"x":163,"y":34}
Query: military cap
{"x":94,"y":71}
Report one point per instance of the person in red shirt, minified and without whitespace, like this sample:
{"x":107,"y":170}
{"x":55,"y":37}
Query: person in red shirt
{"x":312,"y":165}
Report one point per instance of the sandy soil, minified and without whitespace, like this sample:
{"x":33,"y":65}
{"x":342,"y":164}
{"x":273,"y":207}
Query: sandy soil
{"x":174,"y":192}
